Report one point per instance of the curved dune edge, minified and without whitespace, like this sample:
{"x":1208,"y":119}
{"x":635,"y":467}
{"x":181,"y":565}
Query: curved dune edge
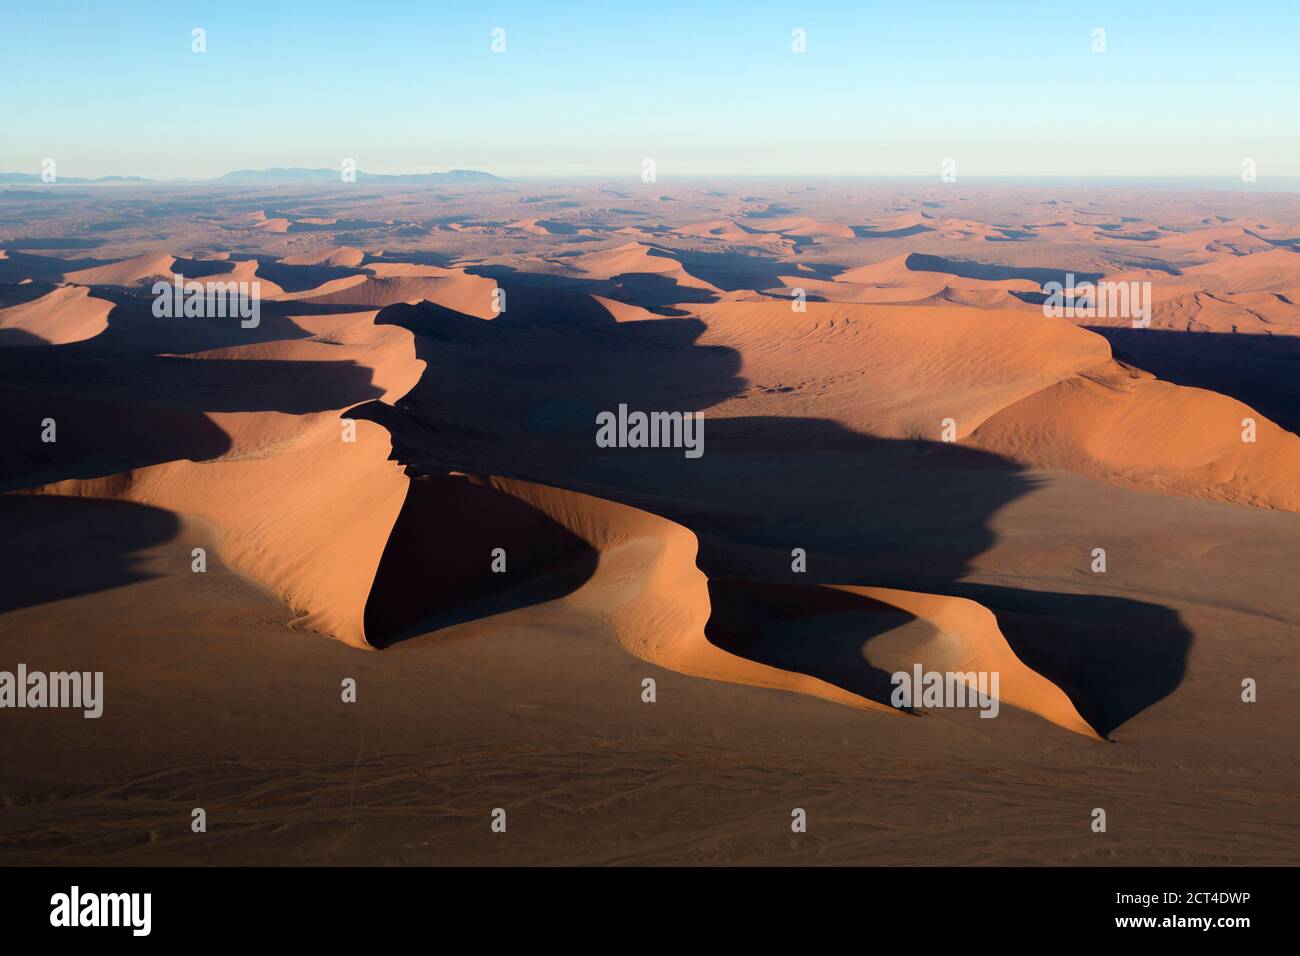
{"x":63,"y":315}
{"x":455,"y":289}
{"x":656,"y":601}
{"x":344,"y":256}
{"x":985,"y":649}
{"x":896,"y":371}
{"x":124,"y":272}
{"x":648,"y":590}
{"x":315,"y":543}
{"x":1130,"y":428}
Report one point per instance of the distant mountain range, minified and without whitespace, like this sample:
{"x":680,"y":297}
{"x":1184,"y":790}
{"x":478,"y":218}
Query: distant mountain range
{"x":280,"y":176}
{"x":36,"y":178}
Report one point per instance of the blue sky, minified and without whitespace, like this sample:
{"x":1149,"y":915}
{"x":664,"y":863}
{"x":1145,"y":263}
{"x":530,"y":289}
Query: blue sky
{"x":705,"y":88}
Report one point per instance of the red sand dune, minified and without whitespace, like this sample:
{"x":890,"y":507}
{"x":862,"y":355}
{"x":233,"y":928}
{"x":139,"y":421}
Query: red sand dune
{"x":635,"y":258}
{"x":331,"y":256}
{"x":457,"y":290}
{"x":65,"y":314}
{"x":126,"y":272}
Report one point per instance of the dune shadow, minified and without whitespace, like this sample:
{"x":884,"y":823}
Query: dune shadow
{"x":969,"y":269}
{"x":734,"y":271}
{"x":11,"y":294}
{"x":809,"y":630}
{"x":1259,"y":370}
{"x":57,"y":547}
{"x":653,"y":291}
{"x":419,"y":257}
{"x":461,"y":550}
{"x":1114,"y":657}
{"x":17,"y":266}
{"x":19,"y":338}
{"x":866,"y":232}
{"x":50,"y":436}
{"x":540,"y":297}
{"x":201,"y":385}
{"x":134,"y":329}
{"x":294,"y":278}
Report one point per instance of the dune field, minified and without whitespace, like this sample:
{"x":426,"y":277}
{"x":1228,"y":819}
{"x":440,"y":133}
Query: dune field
{"x":904,"y":456}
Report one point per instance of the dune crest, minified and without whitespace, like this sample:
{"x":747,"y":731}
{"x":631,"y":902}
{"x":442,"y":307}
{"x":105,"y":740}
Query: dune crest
{"x":126,"y":272}
{"x":309,"y":523}
{"x":458,"y":290}
{"x":64,"y":314}
{"x":645,"y":584}
{"x":1129,"y":427}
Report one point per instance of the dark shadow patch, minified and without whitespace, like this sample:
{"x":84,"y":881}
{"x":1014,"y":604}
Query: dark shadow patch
{"x":58,"y":548}
{"x":816,"y":631}
{"x":436,"y":569}
{"x":967,"y":269}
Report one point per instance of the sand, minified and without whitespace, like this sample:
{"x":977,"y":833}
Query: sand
{"x":946,"y":457}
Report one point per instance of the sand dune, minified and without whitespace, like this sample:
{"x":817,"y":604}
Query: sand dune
{"x":894,"y":371}
{"x":62,"y":315}
{"x":898,"y":280}
{"x":635,"y":258}
{"x":389,"y":270}
{"x":1027,"y":386}
{"x":132,"y":271}
{"x":457,"y":290}
{"x":347,"y":256}
{"x":1231,"y":239}
{"x":538,"y":226}
{"x":801,"y":226}
{"x":974,"y":642}
{"x":725,"y":229}
{"x":316,"y":543}
{"x":1128,"y":427}
{"x":1277,"y":270}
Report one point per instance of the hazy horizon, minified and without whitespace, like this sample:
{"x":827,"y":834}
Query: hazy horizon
{"x":1189,"y":182}
{"x":1014,"y":92}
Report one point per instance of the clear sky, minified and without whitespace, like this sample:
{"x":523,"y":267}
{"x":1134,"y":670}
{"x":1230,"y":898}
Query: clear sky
{"x":703,"y":87}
